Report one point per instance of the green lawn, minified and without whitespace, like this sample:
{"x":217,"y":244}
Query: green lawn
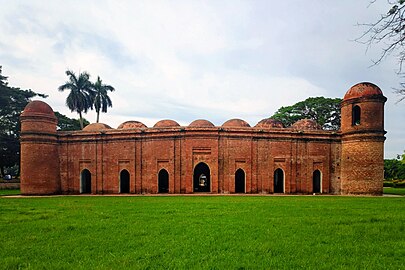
{"x":5,"y":192}
{"x":395,"y":191}
{"x":218,"y":232}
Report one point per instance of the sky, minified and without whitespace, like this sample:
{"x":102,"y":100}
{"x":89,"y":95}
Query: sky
{"x":187,"y":60}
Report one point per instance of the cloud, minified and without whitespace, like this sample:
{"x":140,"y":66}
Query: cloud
{"x":196,"y":59}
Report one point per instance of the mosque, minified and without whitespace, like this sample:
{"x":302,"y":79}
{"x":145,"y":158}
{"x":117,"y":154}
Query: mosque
{"x":202,"y":158}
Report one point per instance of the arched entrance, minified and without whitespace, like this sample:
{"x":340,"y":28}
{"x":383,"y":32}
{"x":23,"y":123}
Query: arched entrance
{"x":278,"y":181}
{"x":201,"y":178}
{"x":124,"y":181}
{"x":239,"y":181}
{"x":163,"y":181}
{"x":316,"y":182}
{"x":85,"y":181}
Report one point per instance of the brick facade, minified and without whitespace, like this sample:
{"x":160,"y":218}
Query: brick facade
{"x":233,"y":157}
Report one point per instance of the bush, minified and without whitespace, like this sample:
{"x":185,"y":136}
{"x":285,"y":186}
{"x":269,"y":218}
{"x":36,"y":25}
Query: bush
{"x":395,"y":184}
{"x":400,"y":184}
{"x":388,"y":184}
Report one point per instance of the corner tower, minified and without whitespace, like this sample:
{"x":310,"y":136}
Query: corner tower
{"x":39,"y":150}
{"x":362,"y":126}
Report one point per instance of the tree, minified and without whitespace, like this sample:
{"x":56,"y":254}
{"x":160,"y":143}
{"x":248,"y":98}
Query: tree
{"x":101,"y":98}
{"x":394,"y":169}
{"x":388,"y":30}
{"x":325,"y":111}
{"x":401,"y":158}
{"x":12,"y":102}
{"x":3,"y":79}
{"x":81,"y":93}
{"x":68,"y":124}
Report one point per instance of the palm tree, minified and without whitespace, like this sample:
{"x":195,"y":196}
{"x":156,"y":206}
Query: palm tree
{"x":101,"y":99}
{"x":81,"y":93}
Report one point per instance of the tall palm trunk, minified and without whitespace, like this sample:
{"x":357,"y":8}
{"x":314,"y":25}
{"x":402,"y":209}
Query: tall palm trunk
{"x":80,"y":119}
{"x":98,"y":116}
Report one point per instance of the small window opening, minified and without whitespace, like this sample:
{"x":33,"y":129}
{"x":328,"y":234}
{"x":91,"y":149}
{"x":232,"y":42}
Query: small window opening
{"x":356,"y":115}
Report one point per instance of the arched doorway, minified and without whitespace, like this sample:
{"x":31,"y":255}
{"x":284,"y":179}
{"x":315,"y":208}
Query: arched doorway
{"x":201,"y":178}
{"x":85,"y":181}
{"x":316,"y":182}
{"x":278,"y":181}
{"x":124,"y":181}
{"x":239,"y":181}
{"x":163,"y":181}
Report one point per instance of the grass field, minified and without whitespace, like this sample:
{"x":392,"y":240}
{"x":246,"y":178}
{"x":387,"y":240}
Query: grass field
{"x":218,"y":232}
{"x":6,"y":192}
{"x":387,"y":190}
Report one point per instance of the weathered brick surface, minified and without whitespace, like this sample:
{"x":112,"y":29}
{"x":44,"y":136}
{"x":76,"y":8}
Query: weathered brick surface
{"x":350,"y":161}
{"x":39,"y":150}
{"x":362,"y":164}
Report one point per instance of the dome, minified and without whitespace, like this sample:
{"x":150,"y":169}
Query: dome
{"x":305,"y":124}
{"x":270,"y":123}
{"x":364,"y":89}
{"x":38,"y":107}
{"x":235,"y":123}
{"x":166,"y":123}
{"x":131,"y":124}
{"x":96,"y":127}
{"x":201,"y":123}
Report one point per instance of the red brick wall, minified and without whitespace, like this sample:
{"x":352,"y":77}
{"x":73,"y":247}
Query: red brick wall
{"x":39,"y":156}
{"x":362,"y":166}
{"x":350,"y":161}
{"x":179,"y":150}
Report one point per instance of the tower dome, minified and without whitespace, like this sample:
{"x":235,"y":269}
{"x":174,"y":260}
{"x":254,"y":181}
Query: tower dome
{"x":37,"y":107}
{"x":364,"y":89}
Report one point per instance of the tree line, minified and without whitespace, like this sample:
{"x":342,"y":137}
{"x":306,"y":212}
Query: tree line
{"x":394,"y":169}
{"x":83,"y":95}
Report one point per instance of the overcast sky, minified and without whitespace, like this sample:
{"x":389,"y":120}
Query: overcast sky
{"x":185,"y":60}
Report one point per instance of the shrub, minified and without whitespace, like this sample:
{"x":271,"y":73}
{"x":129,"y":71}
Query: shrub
{"x":388,"y":184}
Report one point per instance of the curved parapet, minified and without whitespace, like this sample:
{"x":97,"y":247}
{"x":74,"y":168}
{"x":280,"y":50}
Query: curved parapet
{"x":131,"y":125}
{"x":201,"y":123}
{"x":269,"y":123}
{"x":166,"y":124}
{"x":236,"y":123}
{"x":96,"y":127}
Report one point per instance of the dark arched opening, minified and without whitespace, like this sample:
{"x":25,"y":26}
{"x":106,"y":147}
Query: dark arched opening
{"x":239,"y":181}
{"x":201,"y":178}
{"x":85,"y":181}
{"x":316,"y":182}
{"x":278,"y":181}
{"x":163,"y":181}
{"x":124,"y":181}
{"x":356,"y":115}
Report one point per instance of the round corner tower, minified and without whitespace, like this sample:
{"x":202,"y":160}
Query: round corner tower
{"x":362,"y":126}
{"x":39,"y":150}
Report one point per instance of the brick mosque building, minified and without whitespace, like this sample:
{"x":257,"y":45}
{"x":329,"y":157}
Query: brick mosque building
{"x":203,"y":158}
